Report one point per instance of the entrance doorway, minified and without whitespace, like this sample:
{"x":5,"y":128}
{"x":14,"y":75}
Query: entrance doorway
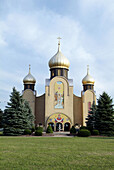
{"x":52,"y":125}
{"x":67,"y":126}
{"x":59,"y":126}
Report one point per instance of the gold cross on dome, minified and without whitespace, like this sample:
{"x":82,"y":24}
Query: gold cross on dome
{"x":87,"y":69}
{"x":59,"y":43}
{"x":29,"y":68}
{"x":59,"y":38}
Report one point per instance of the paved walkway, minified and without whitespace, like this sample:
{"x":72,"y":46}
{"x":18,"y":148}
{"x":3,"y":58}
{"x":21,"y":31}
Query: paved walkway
{"x":58,"y":134}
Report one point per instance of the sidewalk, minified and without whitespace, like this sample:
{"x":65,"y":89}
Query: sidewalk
{"x":58,"y":134}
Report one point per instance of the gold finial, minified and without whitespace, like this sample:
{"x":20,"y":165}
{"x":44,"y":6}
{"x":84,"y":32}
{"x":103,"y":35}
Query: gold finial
{"x":59,"y":43}
{"x":29,"y":68}
{"x":87,"y":69}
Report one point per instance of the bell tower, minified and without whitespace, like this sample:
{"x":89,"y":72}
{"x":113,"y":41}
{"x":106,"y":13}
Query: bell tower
{"x":29,"y":92}
{"x":88,"y":95}
{"x":59,"y":94}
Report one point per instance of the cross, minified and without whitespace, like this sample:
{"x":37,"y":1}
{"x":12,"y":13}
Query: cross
{"x":59,"y":40}
{"x":87,"y":69}
{"x":59,"y":43}
{"x":29,"y":68}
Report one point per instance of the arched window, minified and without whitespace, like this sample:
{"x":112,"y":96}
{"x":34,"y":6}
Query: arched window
{"x":89,"y":106}
{"x":59,"y":72}
{"x":67,"y":126}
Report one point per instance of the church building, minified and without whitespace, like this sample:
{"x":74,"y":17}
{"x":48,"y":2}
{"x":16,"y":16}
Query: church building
{"x":58,"y":106}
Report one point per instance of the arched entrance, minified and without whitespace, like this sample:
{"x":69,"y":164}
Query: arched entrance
{"x":59,"y":126}
{"x":52,"y":125}
{"x":67,"y":126}
{"x":59,"y":122}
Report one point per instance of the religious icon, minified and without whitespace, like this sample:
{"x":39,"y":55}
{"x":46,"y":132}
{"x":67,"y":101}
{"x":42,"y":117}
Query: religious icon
{"x":59,"y":95}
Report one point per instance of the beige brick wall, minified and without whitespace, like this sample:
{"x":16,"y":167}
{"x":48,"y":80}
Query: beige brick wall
{"x":88,"y":96}
{"x":40,"y":110}
{"x":30,"y":97}
{"x":77,"y":110}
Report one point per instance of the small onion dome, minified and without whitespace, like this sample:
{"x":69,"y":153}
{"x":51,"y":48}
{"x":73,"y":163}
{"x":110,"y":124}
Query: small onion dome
{"x":59,"y":60}
{"x":29,"y":79}
{"x":88,"y":79}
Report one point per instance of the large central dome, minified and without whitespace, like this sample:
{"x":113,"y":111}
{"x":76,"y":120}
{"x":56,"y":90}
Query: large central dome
{"x":59,"y":60}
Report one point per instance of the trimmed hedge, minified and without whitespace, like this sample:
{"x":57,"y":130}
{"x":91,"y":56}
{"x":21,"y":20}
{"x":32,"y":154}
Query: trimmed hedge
{"x":49,"y":129}
{"x":95,"y":132}
{"x":39,"y":128}
{"x":72,"y":130}
{"x":84,"y":133}
{"x":33,"y":129}
{"x":27,"y":132}
{"x":38,"y":132}
{"x":90,"y":128}
{"x":83,"y":127}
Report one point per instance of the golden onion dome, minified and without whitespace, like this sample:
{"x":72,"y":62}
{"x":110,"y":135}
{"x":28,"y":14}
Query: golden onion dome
{"x":29,"y":79}
{"x":88,"y":79}
{"x":59,"y":60}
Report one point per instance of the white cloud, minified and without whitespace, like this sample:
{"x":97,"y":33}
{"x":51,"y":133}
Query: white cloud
{"x":30,"y":38}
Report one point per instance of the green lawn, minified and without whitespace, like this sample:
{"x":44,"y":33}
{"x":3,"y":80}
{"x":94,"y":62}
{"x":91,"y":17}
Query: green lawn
{"x":31,"y":153}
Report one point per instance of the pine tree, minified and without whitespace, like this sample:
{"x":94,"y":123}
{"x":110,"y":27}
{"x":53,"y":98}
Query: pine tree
{"x":1,"y":114}
{"x":91,"y":117}
{"x":29,"y":115}
{"x":17,"y":116}
{"x":105,"y":115}
{"x":49,"y":129}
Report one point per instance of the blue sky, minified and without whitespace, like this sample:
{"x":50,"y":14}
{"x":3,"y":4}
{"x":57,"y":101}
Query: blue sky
{"x":28,"y":35}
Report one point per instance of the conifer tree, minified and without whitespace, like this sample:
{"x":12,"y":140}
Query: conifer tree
{"x":1,"y":114}
{"x":91,"y":117}
{"x":105,"y":115}
{"x":29,"y":115}
{"x":17,"y":116}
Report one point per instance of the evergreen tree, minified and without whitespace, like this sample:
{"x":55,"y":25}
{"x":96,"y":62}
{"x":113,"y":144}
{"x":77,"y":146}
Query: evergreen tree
{"x":17,"y":116}
{"x":29,"y":115}
{"x":1,"y":114}
{"x":91,"y":117}
{"x":49,"y":129}
{"x":105,"y":115}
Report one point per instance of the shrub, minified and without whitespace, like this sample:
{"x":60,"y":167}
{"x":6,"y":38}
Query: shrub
{"x":73,"y":130}
{"x":83,"y":127}
{"x":49,"y":129}
{"x":90,"y":128}
{"x":39,"y":128}
{"x":95,"y":132}
{"x":38,"y":132}
{"x":84,"y":133}
{"x":33,"y":129}
{"x":27,"y":132}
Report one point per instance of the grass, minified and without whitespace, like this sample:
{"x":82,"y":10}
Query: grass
{"x":30,"y":153}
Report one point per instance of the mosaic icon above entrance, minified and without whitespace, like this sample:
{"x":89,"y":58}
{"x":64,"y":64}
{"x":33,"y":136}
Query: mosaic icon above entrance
{"x":59,"y":122}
